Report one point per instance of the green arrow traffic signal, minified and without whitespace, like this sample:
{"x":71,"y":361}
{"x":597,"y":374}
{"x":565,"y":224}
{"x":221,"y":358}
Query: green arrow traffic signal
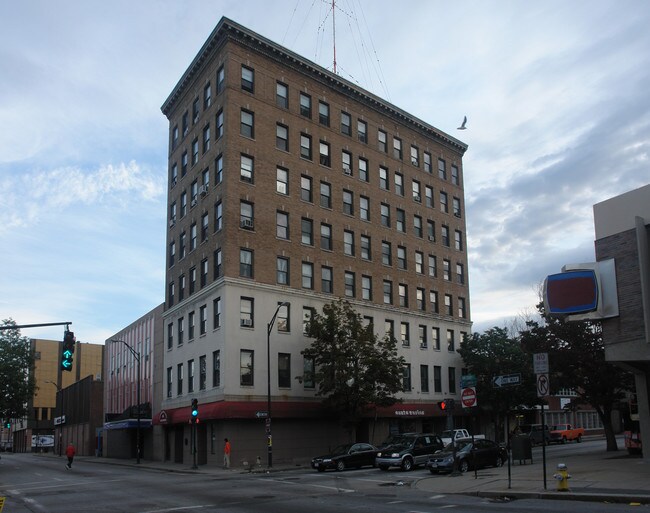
{"x":68,"y":351}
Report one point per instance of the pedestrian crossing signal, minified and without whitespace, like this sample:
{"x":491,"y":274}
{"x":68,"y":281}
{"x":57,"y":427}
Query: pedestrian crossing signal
{"x":442,"y":405}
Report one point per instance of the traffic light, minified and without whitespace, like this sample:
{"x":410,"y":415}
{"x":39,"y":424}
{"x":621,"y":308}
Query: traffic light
{"x":8,"y":425}
{"x":447,"y":405}
{"x":195,"y":410}
{"x":442,"y":405}
{"x":68,"y":351}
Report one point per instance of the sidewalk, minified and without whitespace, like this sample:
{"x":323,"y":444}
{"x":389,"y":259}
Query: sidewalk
{"x":596,"y":475}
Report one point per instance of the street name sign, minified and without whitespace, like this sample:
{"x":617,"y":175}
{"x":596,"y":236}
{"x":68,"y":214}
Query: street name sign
{"x":262,"y":414}
{"x":506,"y":380}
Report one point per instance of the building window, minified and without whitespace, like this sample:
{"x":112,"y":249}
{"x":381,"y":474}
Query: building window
{"x":307,"y":275}
{"x":216,"y":368}
{"x":433,"y":298}
{"x":422,"y":336}
{"x":218,"y":269}
{"x":449,"y":307}
{"x":386,"y":253}
{"x":205,"y":219}
{"x":282,"y":95}
{"x":245,"y":263}
{"x":455,"y":205}
{"x":325,"y":154}
{"x":401,"y":257}
{"x":246,"y":215}
{"x":171,"y":294}
{"x":192,"y":280}
{"x":323,"y":113}
{"x":366,"y":288}
{"x":444,"y":207}
{"x":326,"y":280}
{"x":433,"y":268}
{"x":221,"y":79}
{"x":437,"y":379}
{"x":442,"y":169}
{"x":362,"y":131}
{"x":399,"y":184}
{"x":382,"y":139}
{"x":419,"y":262}
{"x":183,"y":203}
{"x":383,"y":178}
{"x":458,"y":240}
{"x":247,"y":79}
{"x":195,"y":151}
{"x":181,"y":287}
{"x":282,"y":225}
{"x":284,"y":370}
{"x":202,"y":373}
{"x":431,"y":230}
{"x":461,"y":307}
{"x":218,"y":169}
{"x":385,"y":215}
{"x":206,"y":138}
{"x":444,"y":231}
{"x":282,"y":270}
{"x":346,"y":123}
{"x":427,"y":162}
{"x":281,"y":137}
{"x":460,"y":274}
{"x":419,"y":299}
{"x":452,"y":380}
{"x":190,"y":376}
{"x":181,"y":330}
{"x":282,"y":181}
{"x":388,"y":292}
{"x":219,"y":123}
{"x":348,"y":203}
{"x":305,"y":188}
{"x":435,"y":338}
{"x":366,"y":252}
{"x":170,"y":335}
{"x":246,"y":168}
{"x":308,"y":373}
{"x":404,"y":334}
{"x":307,"y":231}
{"x":424,"y":378}
{"x":203,"y":319}
{"x":182,"y":245}
{"x":247,"y":124}
{"x":403,"y":291}
{"x":346,"y":162}
{"x":397,"y":148}
{"x":184,"y":164}
{"x":325,"y":195}
{"x":305,"y":146}
{"x":305,"y":105}
{"x":326,"y":237}
{"x":174,"y":174}
{"x":283,"y":319}
{"x":406,"y":377}
{"x":348,"y":243}
{"x":172,"y":253}
{"x":246,"y":318}
{"x":350,"y":287}
{"x":446,"y":270}
{"x":451,"y":343}
{"x":216,"y":310}
{"x":246,"y":369}
{"x":193,"y":237}
{"x":169,"y":382}
{"x":179,"y":379}
{"x":455,"y":175}
{"x":428,"y":196}
{"x":174,"y":137}
{"x":195,"y":111}
{"x":400,"y":222}
{"x":415,"y":156}
{"x":307,"y":314}
{"x":363,"y":170}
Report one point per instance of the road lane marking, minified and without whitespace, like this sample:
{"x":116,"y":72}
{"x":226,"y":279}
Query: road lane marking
{"x":179,"y":508}
{"x":67,"y":483}
{"x":435,"y":497}
{"x":337,"y":488}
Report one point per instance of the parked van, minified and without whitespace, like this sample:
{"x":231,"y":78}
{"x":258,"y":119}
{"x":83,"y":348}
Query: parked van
{"x":535,"y":433}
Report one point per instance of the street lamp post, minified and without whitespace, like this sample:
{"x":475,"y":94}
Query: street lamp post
{"x":136,"y":355}
{"x":268,"y":382}
{"x":58,"y":391}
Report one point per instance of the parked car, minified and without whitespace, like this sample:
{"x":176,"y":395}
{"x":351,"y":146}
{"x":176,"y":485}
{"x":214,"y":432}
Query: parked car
{"x":535,"y":433}
{"x":456,"y":434}
{"x":408,"y":450}
{"x":564,"y":433}
{"x":346,"y":456}
{"x":481,"y":453}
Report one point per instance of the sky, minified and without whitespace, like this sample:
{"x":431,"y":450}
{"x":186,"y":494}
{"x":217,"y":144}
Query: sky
{"x":556,"y":94}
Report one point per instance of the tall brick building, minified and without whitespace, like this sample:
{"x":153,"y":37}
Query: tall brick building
{"x":287,"y":183}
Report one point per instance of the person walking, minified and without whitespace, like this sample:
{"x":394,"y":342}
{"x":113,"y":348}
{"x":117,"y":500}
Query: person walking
{"x":70,"y":452}
{"x":226,"y":453}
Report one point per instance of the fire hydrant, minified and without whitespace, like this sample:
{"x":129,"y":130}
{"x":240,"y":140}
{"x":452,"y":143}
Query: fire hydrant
{"x":562,"y":477}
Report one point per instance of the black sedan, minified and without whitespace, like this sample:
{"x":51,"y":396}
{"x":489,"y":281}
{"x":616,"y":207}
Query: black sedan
{"x":481,"y":453}
{"x":346,"y":456}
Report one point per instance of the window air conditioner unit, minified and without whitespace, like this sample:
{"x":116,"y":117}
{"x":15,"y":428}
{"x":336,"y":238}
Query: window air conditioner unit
{"x":432,"y":238}
{"x":174,"y":181}
{"x":423,"y":346}
{"x":347,"y":171}
{"x":172,"y":222}
{"x":246,"y":322}
{"x":193,"y":204}
{"x":247,"y":223}
{"x":417,"y":198}
{"x":203,"y":190}
{"x":414,"y":161}
{"x":457,"y":214}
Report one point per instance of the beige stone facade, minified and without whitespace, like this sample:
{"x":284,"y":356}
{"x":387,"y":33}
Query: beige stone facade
{"x":352,"y":198}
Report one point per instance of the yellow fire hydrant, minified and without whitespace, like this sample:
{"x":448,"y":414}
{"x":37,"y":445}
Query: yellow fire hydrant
{"x":562,"y":477}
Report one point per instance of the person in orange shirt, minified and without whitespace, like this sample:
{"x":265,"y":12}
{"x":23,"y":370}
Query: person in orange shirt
{"x":226,"y":453}
{"x":70,"y":452}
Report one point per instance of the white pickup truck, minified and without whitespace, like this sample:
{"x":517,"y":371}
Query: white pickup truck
{"x":457,"y":434}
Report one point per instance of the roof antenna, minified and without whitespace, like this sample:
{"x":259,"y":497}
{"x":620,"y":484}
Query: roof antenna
{"x":334,"y":32}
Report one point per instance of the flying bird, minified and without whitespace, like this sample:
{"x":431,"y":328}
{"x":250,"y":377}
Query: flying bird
{"x":462,"y":126}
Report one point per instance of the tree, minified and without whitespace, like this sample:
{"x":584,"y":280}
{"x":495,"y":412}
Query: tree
{"x":16,"y":378}
{"x":491,"y":354}
{"x":577,"y":361}
{"x":354,"y":369}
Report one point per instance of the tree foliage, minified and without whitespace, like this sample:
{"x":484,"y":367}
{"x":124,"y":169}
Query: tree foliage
{"x":577,"y":361}
{"x":354,"y":369}
{"x":16,"y":378}
{"x":495,"y":353}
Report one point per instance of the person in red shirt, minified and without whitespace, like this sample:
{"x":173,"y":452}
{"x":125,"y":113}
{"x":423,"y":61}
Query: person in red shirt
{"x":226,"y":453}
{"x":70,"y":452}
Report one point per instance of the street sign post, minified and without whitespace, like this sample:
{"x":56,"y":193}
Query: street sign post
{"x":540,"y":363}
{"x":543,"y":385}
{"x":506,"y":380}
{"x":468,"y":397}
{"x":262,"y":414}
{"x":467,"y":381}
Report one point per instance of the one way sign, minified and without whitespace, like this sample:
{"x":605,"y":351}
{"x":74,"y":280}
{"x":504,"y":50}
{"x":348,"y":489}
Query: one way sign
{"x":506,"y":380}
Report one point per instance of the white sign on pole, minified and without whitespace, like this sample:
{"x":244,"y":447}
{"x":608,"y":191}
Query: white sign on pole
{"x":468,"y":397}
{"x":540,"y":363}
{"x":543,"y":385}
